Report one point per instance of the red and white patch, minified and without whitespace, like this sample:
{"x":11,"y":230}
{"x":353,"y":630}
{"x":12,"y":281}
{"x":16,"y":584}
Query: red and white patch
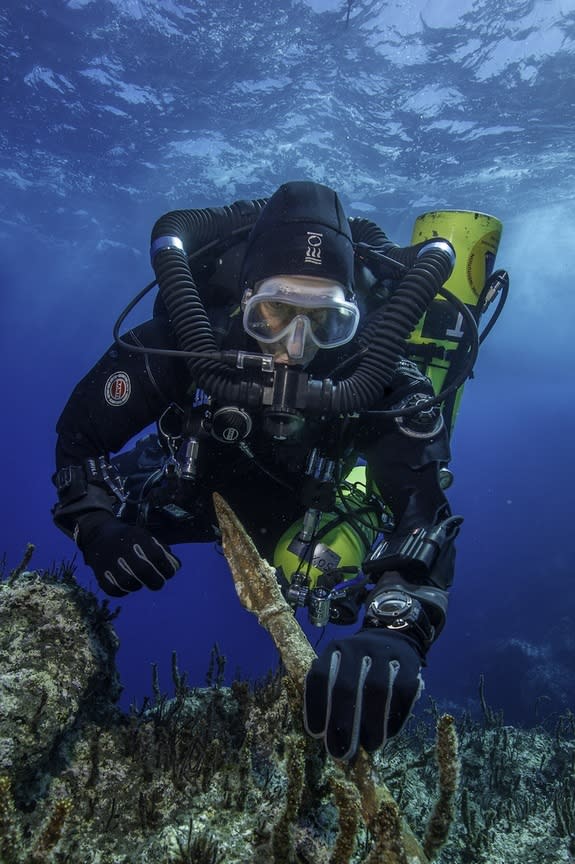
{"x":117,"y":389}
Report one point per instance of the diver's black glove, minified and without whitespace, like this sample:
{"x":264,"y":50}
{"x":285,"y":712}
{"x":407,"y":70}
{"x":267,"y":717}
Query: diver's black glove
{"x":123,"y":557}
{"x":361,"y":690}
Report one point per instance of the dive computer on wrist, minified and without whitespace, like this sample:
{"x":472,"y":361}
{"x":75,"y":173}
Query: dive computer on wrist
{"x":399,"y":611}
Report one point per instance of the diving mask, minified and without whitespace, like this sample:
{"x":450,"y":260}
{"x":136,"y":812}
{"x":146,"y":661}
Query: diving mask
{"x":300,"y":312}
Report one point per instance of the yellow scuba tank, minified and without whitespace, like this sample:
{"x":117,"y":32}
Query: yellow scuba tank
{"x":437,"y":344}
{"x":340,"y":540}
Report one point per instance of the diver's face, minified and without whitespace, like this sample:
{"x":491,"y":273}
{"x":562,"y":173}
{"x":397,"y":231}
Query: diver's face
{"x":292,"y":317}
{"x":295,"y":346}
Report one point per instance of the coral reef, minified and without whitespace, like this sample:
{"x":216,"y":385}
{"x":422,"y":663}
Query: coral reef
{"x":441,"y":818}
{"x":225,"y":774}
{"x":57,"y":651}
{"x":14,"y":848}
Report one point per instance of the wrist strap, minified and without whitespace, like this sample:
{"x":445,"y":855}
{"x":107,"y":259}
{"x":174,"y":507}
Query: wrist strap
{"x":72,"y":481}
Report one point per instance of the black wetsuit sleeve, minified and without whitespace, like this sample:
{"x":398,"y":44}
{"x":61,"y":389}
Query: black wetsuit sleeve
{"x":121,"y":395}
{"x":406,"y":472}
{"x":404,"y":457}
{"x":405,"y":469}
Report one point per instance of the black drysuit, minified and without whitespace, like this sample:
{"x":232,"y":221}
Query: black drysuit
{"x":125,"y":392}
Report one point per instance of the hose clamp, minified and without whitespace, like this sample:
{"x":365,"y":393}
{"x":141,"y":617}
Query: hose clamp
{"x":441,"y":246}
{"x":165,"y":242}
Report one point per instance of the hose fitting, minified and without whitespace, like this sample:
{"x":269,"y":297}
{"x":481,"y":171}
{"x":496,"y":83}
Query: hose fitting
{"x":165,"y":242}
{"x":442,"y":245}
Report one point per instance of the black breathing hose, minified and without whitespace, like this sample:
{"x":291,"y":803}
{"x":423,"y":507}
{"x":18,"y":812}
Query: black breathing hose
{"x":175,"y":236}
{"x":365,"y":232}
{"x":429,"y":267}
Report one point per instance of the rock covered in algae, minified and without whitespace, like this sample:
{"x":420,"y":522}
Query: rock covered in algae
{"x":57,"y":662}
{"x":205,"y":776}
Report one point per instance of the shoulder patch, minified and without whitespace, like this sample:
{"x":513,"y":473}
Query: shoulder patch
{"x":117,"y":389}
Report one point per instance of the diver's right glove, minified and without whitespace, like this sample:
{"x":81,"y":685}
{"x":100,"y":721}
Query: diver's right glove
{"x":124,"y":557}
{"x":361,"y":690}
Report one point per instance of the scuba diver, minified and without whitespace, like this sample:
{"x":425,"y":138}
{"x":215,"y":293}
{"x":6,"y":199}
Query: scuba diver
{"x":277,"y":370}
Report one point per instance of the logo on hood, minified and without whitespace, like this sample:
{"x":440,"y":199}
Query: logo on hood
{"x":313,"y":251}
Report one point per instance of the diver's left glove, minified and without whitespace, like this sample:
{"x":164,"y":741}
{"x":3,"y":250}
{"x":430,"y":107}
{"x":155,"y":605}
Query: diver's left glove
{"x":361,"y":690}
{"x":124,"y":557}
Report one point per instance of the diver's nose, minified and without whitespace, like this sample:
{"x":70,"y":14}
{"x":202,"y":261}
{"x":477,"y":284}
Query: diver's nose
{"x":295,"y":345}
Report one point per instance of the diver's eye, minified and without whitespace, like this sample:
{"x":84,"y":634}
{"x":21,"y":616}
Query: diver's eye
{"x":317,"y":315}
{"x":274,"y":310}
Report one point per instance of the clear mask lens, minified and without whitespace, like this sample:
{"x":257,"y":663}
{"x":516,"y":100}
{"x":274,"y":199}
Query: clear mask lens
{"x":273,"y":312}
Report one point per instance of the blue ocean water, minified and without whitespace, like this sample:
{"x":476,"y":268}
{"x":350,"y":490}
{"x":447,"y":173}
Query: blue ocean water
{"x":116,"y":111}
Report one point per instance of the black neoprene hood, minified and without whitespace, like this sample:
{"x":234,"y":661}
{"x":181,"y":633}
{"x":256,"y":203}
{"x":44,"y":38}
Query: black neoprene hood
{"x":301,"y":231}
